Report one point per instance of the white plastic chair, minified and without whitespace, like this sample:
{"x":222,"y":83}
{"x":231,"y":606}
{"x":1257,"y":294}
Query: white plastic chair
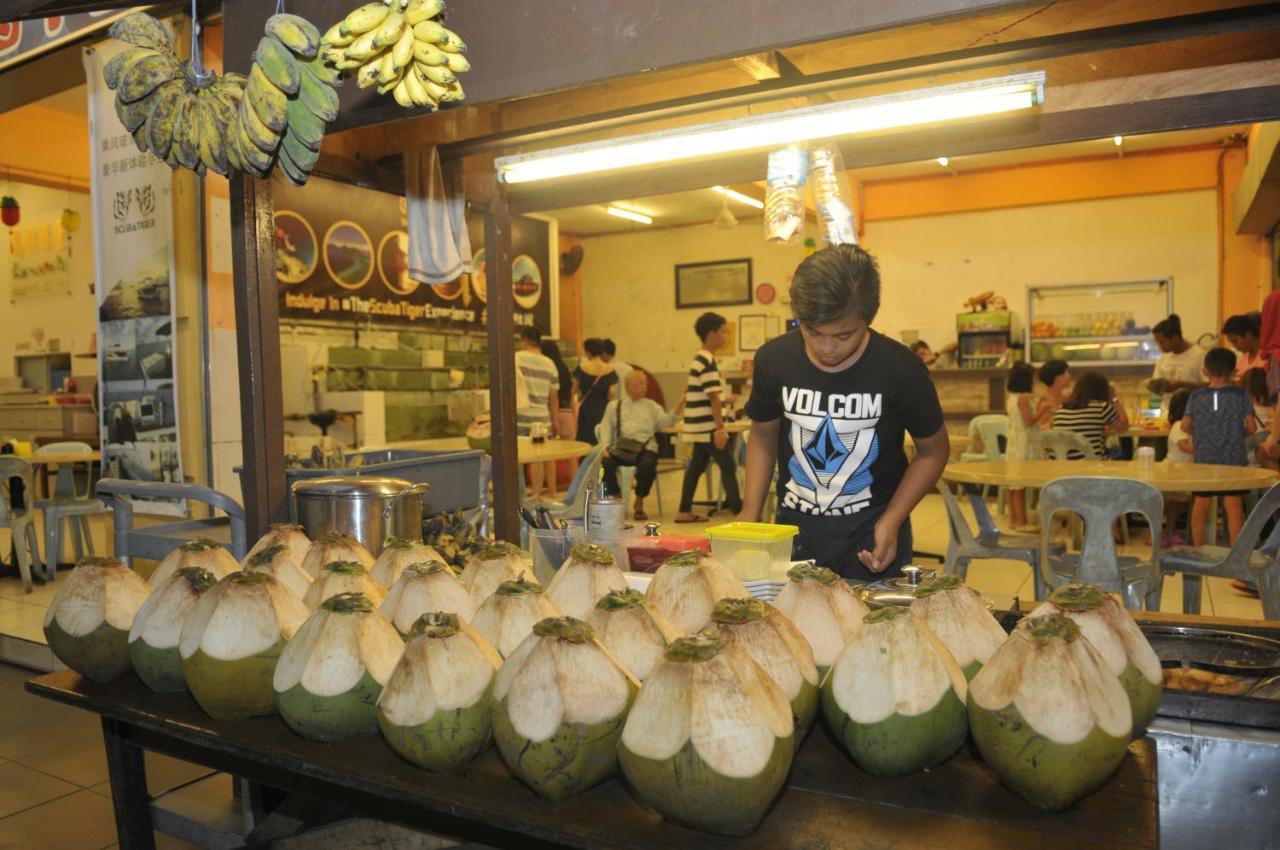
{"x":26,"y":540}
{"x":627,"y":474}
{"x":67,"y":505}
{"x":990,"y":429}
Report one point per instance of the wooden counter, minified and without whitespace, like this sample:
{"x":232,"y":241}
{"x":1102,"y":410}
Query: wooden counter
{"x":28,"y":421}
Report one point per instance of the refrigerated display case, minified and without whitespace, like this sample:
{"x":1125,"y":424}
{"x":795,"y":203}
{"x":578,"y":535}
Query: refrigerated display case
{"x":983,"y":338}
{"x":1097,"y":322}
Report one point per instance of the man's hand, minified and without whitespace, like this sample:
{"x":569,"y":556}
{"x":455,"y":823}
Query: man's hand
{"x":1158,"y":385}
{"x":720,"y":439}
{"x":886,"y":551}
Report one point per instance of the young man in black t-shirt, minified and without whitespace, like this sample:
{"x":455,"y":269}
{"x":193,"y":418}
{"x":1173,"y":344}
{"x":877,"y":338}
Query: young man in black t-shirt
{"x":829,"y":407}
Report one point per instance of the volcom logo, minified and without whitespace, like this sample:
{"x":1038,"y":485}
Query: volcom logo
{"x":833,"y":445}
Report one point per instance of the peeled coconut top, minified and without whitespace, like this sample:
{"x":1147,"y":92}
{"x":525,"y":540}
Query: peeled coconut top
{"x":398,"y":553}
{"x":240,"y":616}
{"x":1107,"y":626}
{"x":291,"y":535}
{"x":333,"y":546}
{"x":491,"y":566}
{"x":337,"y":644}
{"x":824,"y":608}
{"x":771,"y":640}
{"x":894,"y":665}
{"x":708,"y":690}
{"x":429,"y":586}
{"x":343,"y":577}
{"x":1057,"y":681}
{"x":98,"y":590}
{"x":588,"y":574}
{"x":509,"y":614}
{"x":632,"y":629}
{"x":446,"y":665}
{"x":687,"y":586}
{"x":957,"y":615}
{"x":561,"y":674}
{"x":159,"y":620}
{"x":201,"y":552}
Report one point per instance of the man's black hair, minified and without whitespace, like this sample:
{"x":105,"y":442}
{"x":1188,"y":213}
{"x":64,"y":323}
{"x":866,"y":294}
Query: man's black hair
{"x":834,"y":284}
{"x":1170,"y":327}
{"x":708,"y":323}
{"x":607,"y":346}
{"x":1051,"y":369}
{"x":530,"y":334}
{"x":919,"y":346}
{"x":1220,"y":362}
{"x":1243,"y":324}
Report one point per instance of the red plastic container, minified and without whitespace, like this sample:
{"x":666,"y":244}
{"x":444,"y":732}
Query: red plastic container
{"x":646,"y":554}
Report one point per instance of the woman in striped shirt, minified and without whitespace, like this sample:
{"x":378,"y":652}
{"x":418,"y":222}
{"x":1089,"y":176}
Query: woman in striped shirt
{"x":1091,"y":410}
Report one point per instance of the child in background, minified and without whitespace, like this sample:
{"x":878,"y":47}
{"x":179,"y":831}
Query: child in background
{"x":1056,"y":377}
{"x":1219,"y":419}
{"x":1023,"y":417}
{"x":1178,"y":451}
{"x":1254,"y":382}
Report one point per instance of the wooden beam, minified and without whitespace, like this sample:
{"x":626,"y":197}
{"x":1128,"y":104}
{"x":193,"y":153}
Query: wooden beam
{"x":502,"y":367}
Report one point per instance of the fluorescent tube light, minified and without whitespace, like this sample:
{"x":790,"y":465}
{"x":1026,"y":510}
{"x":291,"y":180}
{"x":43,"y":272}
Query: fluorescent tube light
{"x":829,"y":120}
{"x":739,"y":197}
{"x":629,"y":215}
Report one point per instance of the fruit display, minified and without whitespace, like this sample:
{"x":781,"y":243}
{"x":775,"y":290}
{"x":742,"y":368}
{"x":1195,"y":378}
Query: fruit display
{"x":277,"y":562}
{"x":560,"y":703}
{"x":401,"y":47}
{"x":492,"y":565}
{"x":825,"y":610}
{"x":453,"y":536}
{"x":423,"y":588}
{"x":87,"y":623}
{"x":586,"y":576}
{"x":774,"y":643}
{"x":710,"y":739}
{"x":174,"y":110}
{"x":1076,"y":325}
{"x":343,"y":577}
{"x":331,"y":673}
{"x":231,"y":640}
{"x":1119,"y":641}
{"x":510,"y":613}
{"x":436,"y":709}
{"x":633,"y":629}
{"x":201,"y":552}
{"x":289,"y":534}
{"x":398,"y":553}
{"x":688,"y":586}
{"x":157,"y":628}
{"x":895,"y":699}
{"x":334,"y":546}
{"x":957,"y":615}
{"x":1048,"y":714}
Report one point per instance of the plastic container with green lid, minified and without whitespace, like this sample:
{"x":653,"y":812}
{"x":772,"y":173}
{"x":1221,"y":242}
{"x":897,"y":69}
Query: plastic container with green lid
{"x":755,"y":551}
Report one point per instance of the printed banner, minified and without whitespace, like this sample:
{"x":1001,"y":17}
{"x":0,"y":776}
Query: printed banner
{"x":40,"y":262}
{"x":132,"y":234}
{"x":342,"y":253}
{"x":23,"y":40}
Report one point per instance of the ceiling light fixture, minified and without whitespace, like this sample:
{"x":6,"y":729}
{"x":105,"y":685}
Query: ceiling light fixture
{"x":629,"y":215}
{"x":756,"y":132}
{"x":739,"y":197}
{"x":1117,"y":140}
{"x":944,"y":161}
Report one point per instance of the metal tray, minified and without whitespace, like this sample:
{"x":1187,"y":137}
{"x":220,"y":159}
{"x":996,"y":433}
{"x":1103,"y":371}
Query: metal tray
{"x":1217,"y":650}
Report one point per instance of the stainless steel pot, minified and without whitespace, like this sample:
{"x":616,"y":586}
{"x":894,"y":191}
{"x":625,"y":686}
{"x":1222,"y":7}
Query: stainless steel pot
{"x":369,"y":509}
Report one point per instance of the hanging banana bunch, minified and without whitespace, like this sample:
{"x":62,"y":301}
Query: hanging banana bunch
{"x":401,"y":47}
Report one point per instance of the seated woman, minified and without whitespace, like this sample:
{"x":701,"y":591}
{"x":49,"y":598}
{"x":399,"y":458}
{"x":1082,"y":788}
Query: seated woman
{"x":1092,"y":410}
{"x":641,"y":419}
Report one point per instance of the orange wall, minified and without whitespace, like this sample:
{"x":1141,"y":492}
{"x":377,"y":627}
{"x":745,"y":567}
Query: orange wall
{"x":46,"y":144}
{"x":1245,"y":261}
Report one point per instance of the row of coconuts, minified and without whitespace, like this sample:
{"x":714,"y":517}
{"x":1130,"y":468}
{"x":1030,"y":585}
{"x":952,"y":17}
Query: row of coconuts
{"x":698,"y":693}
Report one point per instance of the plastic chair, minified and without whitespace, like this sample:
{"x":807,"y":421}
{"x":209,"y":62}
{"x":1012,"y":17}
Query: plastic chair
{"x":1057,"y":444}
{"x":989,"y":542}
{"x":21,"y":522}
{"x":1099,"y":502}
{"x":67,"y":506}
{"x":574,"y":503}
{"x":992,"y":429}
{"x":1242,"y":561}
{"x":156,"y":541}
{"x":627,"y":474}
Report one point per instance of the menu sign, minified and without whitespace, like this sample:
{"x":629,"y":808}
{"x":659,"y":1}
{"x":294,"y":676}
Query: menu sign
{"x":23,"y":40}
{"x":342,"y":253}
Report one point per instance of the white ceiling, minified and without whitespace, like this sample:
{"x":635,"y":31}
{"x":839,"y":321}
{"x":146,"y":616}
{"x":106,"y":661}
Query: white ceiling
{"x":702,"y":206}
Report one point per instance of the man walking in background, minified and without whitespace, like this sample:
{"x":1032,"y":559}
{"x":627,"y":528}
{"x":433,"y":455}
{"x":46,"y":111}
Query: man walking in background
{"x":704,"y":425}
{"x":543,"y":384}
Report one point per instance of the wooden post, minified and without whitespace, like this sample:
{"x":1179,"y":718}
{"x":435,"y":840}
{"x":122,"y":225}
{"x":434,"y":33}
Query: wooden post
{"x":258,"y":344}
{"x":502,"y":367}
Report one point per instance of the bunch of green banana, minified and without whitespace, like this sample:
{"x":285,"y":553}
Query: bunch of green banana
{"x":289,"y":98}
{"x":401,"y":48}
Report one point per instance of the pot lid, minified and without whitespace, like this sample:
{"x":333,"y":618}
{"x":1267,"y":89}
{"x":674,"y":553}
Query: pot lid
{"x":357,"y":487}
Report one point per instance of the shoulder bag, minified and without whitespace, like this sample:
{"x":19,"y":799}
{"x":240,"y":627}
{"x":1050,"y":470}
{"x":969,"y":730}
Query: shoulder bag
{"x":624,"y":450}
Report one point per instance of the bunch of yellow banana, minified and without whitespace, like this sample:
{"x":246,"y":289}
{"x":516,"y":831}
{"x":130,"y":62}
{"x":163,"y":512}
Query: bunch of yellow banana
{"x":289,"y":98}
{"x":180,"y":119}
{"x":400,"y":47}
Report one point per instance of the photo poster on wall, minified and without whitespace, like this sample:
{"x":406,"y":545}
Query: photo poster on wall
{"x":40,"y":263}
{"x":342,"y":253}
{"x":131,"y":196}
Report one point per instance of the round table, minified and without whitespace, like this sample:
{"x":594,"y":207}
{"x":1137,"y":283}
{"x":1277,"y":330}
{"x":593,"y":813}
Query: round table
{"x":527,"y":450}
{"x":1165,"y":477}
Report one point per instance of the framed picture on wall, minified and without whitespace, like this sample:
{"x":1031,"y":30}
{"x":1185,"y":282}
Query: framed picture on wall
{"x":751,"y":332}
{"x":722,"y":283}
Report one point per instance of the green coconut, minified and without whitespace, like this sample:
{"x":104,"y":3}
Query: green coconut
{"x":398,"y":553}
{"x":231,"y":641}
{"x":291,"y":535}
{"x":421,"y":588}
{"x":1048,"y":714}
{"x":688,"y":586}
{"x":436,"y":709}
{"x":960,"y":619}
{"x":508,"y":616}
{"x":584,"y":578}
{"x":561,"y":701}
{"x":330,"y":675}
{"x":87,"y":624}
{"x":343,"y":577}
{"x":895,"y":699}
{"x":824,"y":608}
{"x":334,"y":546}
{"x":710,"y":739}
{"x":778,"y":647}
{"x":153,"y":640}
{"x":277,"y":561}
{"x":201,"y":552}
{"x":633,"y":629}
{"x":491,"y":566}
{"x":1119,"y":640}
